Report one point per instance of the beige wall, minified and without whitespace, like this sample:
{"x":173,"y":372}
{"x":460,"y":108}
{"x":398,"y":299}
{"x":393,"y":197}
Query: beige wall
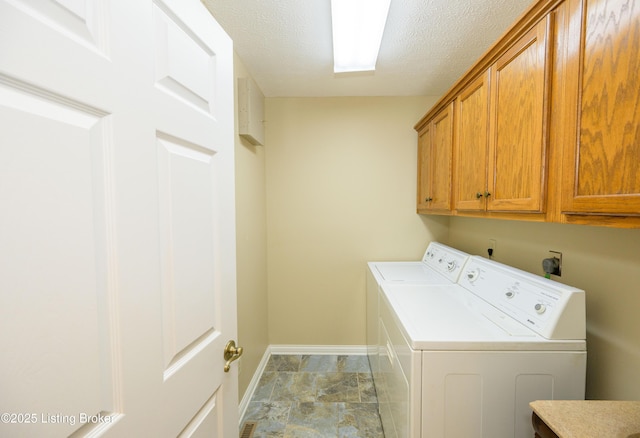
{"x":334,"y":186}
{"x":604,"y":262}
{"x":251,"y":236}
{"x":341,"y":177}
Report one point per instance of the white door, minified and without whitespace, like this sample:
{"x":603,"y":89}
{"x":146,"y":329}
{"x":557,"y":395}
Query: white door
{"x":117,"y":235}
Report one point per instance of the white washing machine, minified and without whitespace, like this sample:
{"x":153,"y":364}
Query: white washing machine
{"x":440,"y":264}
{"x":465,"y":360}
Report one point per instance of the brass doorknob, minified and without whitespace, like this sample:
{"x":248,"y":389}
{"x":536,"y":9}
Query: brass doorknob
{"x":231,"y":353}
{"x":478,"y":195}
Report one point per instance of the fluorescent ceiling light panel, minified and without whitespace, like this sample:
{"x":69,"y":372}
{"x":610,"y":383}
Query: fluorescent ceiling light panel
{"x":358,"y":26}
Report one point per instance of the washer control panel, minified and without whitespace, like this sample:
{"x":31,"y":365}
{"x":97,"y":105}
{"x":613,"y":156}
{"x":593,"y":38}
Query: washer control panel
{"x":445,"y":260}
{"x":551,"y":309}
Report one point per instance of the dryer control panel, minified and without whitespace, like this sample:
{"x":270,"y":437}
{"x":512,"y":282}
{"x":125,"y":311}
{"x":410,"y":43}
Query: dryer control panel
{"x":445,"y":260}
{"x":551,"y":309}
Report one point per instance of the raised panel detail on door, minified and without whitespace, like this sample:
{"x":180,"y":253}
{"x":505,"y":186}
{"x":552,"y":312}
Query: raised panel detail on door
{"x":56,"y":267}
{"x":186,"y":228}
{"x":205,"y":423}
{"x":83,"y":21}
{"x":472,"y":124}
{"x":602,"y":170}
{"x":424,"y":171}
{"x":185,"y":65}
{"x":518,"y":137}
{"x":441,"y":154}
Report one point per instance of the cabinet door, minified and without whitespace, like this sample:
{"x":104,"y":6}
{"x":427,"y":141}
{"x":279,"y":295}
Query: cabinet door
{"x":441,"y":153}
{"x":435,"y":150}
{"x":601,"y":172}
{"x":472,"y":123}
{"x":424,"y":171}
{"x":518,"y":137}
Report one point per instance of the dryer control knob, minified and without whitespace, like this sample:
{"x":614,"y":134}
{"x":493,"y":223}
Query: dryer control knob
{"x":473,"y":275}
{"x":452,"y":265}
{"x":510,"y":294}
{"x":540,"y":308}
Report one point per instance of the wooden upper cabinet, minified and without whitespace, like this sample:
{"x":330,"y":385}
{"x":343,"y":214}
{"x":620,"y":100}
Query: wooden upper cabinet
{"x":547,"y":122}
{"x":601,"y":170}
{"x":424,"y":154}
{"x":517,"y":127}
{"x":435,"y":149}
{"x":471,"y":145}
{"x":442,"y":151}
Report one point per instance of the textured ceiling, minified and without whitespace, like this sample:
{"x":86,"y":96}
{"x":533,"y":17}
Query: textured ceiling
{"x":426,"y":47}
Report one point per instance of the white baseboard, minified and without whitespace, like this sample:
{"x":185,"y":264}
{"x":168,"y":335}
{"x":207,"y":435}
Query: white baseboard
{"x":355,"y":350}
{"x":253,"y":384}
{"x":352,"y":350}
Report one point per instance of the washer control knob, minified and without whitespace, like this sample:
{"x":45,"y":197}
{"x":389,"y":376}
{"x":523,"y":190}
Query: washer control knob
{"x":540,"y":308}
{"x":510,"y":294}
{"x":473,"y":275}
{"x":452,"y":265}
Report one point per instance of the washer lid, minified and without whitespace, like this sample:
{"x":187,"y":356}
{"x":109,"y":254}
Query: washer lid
{"x":451,"y":318}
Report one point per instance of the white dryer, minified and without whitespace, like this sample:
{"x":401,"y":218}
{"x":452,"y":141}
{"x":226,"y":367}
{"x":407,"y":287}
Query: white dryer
{"x":465,"y":360}
{"x":440,"y":264}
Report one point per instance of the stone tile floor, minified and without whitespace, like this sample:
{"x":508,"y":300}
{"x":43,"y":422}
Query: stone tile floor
{"x":309,"y":396}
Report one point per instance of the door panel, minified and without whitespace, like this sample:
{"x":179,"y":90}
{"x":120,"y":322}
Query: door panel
{"x":117,"y":235}
{"x":186,"y":229}
{"x":54,"y":262}
{"x":435,"y":151}
{"x":424,"y":168}
{"x":517,"y":147}
{"x":184,"y":65}
{"x":471,"y":145}
{"x":81,"y":21}
{"x":193,"y":92}
{"x":442,"y":151}
{"x":205,"y":424}
{"x":601,"y":171}
{"x":610,"y":119}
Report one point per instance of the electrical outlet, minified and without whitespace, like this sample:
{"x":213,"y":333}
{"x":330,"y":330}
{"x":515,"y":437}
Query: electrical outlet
{"x":557,"y":255}
{"x":492,"y":247}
